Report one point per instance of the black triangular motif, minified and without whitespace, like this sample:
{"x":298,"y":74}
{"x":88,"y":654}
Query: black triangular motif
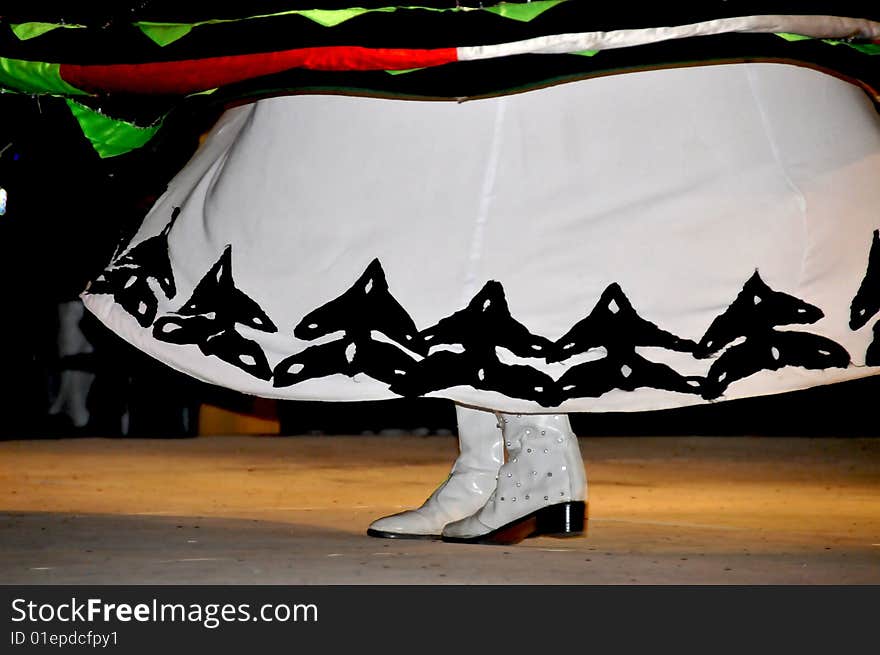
{"x":130,"y":290}
{"x":478,"y":329}
{"x":486,"y":323}
{"x":866,"y":302}
{"x":127,"y":278}
{"x":463,"y":348}
{"x":616,"y":326}
{"x":756,"y":309}
{"x":217,"y":294}
{"x":366,"y":306}
{"x":151,"y":255}
{"x":772,"y":350}
{"x":209,"y":317}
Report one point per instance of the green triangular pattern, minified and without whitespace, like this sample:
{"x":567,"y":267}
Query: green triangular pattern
{"x":164,"y":33}
{"x":866,"y":48}
{"x":405,"y":70}
{"x":788,"y":36}
{"x":334,"y":17}
{"x":523,"y":11}
{"x":25,"y":31}
{"x":108,"y":136}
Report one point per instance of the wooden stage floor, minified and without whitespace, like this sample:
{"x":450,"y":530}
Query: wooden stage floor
{"x":294,"y":510}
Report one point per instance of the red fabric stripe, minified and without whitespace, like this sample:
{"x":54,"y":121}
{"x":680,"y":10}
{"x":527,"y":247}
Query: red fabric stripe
{"x":191,"y":75}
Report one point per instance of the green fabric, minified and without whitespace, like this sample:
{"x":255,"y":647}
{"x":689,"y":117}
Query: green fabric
{"x":110,"y":137}
{"x":333,"y":17}
{"x":523,"y":12}
{"x":34,"y":77}
{"x":793,"y":37}
{"x":25,"y":31}
{"x":405,"y":70}
{"x":165,"y":33}
{"x":866,"y":48}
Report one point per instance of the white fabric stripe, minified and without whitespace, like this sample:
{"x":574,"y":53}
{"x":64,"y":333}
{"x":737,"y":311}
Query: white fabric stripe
{"x":812,"y":26}
{"x":796,"y":190}
{"x":471,"y":280}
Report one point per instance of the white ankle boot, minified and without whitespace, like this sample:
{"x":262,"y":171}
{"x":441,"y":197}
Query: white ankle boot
{"x":471,"y":481}
{"x":542,"y":489}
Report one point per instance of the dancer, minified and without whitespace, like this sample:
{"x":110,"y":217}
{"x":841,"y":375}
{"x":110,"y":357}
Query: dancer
{"x":521,"y":259}
{"x":587,"y":233}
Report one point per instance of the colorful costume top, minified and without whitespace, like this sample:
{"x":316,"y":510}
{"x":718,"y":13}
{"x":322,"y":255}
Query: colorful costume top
{"x":166,"y":54}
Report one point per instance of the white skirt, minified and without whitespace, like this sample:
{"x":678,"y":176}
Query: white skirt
{"x":633,"y":242}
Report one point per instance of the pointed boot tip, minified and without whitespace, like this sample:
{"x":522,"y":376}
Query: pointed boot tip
{"x":383,"y":534}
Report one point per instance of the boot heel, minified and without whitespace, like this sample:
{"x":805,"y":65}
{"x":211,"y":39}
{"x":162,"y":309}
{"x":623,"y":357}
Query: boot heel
{"x":562,"y":520}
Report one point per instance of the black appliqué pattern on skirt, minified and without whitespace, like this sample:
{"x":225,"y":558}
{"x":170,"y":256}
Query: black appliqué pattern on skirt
{"x":614,"y":325}
{"x":753,"y":317}
{"x":866,"y":302}
{"x":477,"y":331}
{"x":127,"y":278}
{"x":380,"y":339}
{"x":362,"y":313}
{"x":209,"y":317}
{"x":755,"y":310}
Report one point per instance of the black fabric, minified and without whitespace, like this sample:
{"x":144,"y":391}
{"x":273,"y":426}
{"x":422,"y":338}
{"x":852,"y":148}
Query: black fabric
{"x":866,"y":302}
{"x":615,"y":326}
{"x":753,"y":317}
{"x":366,"y":307}
{"x":123,"y":42}
{"x":463,"y":348}
{"x":479,"y":330}
{"x":872,"y":355}
{"x":209,"y":317}
{"x":756,"y":309}
{"x":770,"y":351}
{"x":127,"y":280}
{"x":109,"y":14}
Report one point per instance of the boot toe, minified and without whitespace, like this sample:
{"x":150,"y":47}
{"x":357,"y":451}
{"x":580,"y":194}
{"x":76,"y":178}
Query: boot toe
{"x":409,"y":524}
